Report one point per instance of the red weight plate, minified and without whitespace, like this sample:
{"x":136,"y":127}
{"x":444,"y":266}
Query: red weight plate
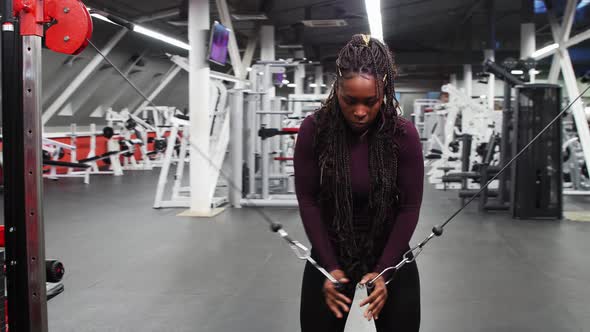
{"x":69,"y":35}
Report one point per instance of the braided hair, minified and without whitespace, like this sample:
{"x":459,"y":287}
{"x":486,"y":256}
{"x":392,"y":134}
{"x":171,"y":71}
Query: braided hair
{"x":357,"y":251}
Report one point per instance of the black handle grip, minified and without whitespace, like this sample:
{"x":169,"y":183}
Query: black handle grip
{"x":55,"y":271}
{"x":437,"y":230}
{"x":275,"y":227}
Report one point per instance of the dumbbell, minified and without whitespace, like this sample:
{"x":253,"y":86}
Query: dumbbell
{"x":130,"y":124}
{"x":54,"y":270}
{"x":454,"y":146}
{"x":108,"y":132}
{"x":160,"y":145}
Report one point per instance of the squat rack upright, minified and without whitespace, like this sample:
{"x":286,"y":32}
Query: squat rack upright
{"x":23,"y":29}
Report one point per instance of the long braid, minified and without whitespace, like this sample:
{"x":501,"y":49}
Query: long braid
{"x":357,"y":251}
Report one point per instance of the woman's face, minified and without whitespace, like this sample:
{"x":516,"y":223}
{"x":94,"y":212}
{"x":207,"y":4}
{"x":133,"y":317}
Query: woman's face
{"x":359,"y":101}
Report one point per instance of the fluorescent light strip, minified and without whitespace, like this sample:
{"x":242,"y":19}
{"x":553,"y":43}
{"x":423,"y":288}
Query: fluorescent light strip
{"x":102,"y":18}
{"x":544,"y":50}
{"x":517,"y":72}
{"x":149,"y":33}
{"x":162,"y":37}
{"x":374,"y":16}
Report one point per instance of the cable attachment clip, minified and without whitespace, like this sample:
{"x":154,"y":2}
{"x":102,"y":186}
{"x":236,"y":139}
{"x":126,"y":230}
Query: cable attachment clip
{"x":302,"y":252}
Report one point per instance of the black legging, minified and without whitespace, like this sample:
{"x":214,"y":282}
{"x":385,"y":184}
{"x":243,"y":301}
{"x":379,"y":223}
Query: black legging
{"x":401,"y":312}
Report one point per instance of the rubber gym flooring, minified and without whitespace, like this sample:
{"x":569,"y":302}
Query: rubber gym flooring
{"x":132,"y":268}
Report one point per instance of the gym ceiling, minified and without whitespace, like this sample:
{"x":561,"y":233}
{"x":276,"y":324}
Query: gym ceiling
{"x":431,"y":38}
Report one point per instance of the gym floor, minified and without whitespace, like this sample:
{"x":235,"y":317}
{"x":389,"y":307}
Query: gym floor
{"x":132,"y":268}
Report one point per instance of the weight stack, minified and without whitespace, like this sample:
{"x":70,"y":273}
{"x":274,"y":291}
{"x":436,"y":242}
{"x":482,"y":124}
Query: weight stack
{"x":536,"y":185}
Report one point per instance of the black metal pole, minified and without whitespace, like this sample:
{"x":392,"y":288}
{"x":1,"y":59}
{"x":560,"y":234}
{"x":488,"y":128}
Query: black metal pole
{"x":7,"y":15}
{"x":23,"y":215}
{"x":506,"y":147}
{"x":14,"y":185}
{"x":491,"y":37}
{"x":527,"y":11}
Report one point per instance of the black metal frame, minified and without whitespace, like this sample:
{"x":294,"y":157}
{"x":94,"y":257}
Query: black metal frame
{"x":537,"y":182}
{"x":23,"y":217}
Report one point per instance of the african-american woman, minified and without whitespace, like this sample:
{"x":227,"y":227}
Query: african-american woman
{"x":359,"y":179}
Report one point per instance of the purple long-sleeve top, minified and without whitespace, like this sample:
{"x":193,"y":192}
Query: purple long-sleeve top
{"x":404,"y":216}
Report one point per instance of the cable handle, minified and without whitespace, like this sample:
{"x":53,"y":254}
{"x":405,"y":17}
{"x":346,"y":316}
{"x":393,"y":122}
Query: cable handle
{"x":303,"y":253}
{"x":415,"y":252}
{"x":296,"y":246}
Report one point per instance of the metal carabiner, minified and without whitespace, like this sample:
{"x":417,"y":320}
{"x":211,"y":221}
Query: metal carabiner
{"x":303,"y":254}
{"x":395,"y":268}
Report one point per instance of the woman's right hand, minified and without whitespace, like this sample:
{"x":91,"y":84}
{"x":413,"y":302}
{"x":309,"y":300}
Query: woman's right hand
{"x":335,"y":300}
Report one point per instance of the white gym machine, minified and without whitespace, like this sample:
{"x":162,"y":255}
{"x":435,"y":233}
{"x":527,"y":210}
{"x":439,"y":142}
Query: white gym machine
{"x":476,"y":120}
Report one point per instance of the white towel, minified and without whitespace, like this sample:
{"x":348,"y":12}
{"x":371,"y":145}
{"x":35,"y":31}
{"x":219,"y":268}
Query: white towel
{"x":356,"y":322}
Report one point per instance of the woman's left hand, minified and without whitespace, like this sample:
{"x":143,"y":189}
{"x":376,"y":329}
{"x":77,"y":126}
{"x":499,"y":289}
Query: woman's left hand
{"x":377,"y":297}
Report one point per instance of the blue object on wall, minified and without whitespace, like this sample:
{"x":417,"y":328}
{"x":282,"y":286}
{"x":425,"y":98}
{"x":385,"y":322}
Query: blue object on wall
{"x":433,"y":95}
{"x":540,"y":7}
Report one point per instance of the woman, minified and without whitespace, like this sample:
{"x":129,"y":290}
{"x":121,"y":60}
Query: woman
{"x":359,"y":176}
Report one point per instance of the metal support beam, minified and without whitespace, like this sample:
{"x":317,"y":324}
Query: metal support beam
{"x":233,"y":50}
{"x":158,"y":15}
{"x":236,"y":146}
{"x":319,"y":80}
{"x":61,"y":77}
{"x":468,"y":80}
{"x":86,"y":92}
{"x":84,"y":74}
{"x":165,"y":82}
{"x":491,"y":11}
{"x":149,"y":84}
{"x":528,"y":43}
{"x":582,"y":36}
{"x":563,"y":58}
{"x":267,"y":43}
{"x":299,"y":80}
{"x":489,"y":55}
{"x":200,"y":201}
{"x":559,"y":34}
{"x":80,"y":100}
{"x":453,"y":79}
{"x":123,"y":89}
{"x":568,"y":20}
{"x":249,"y":55}
{"x":554,"y":70}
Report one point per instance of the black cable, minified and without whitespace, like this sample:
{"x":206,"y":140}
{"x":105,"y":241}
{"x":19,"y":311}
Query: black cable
{"x":226,"y":177}
{"x":436,"y":231}
{"x":274,"y":226}
{"x":555,"y":119}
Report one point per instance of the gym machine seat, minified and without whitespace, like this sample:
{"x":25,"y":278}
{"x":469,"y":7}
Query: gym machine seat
{"x":460,"y":176}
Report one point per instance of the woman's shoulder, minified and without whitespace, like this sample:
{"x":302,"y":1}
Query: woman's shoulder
{"x":407,"y":134}
{"x":308,"y":124}
{"x":406,"y":128}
